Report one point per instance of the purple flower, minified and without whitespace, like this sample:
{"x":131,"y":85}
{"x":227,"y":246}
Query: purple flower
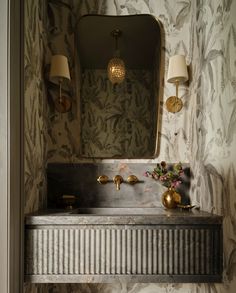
{"x":145,"y":174}
{"x":163,"y":164}
{"x":168,"y":176}
{"x":175,"y":184}
{"x":155,"y":176}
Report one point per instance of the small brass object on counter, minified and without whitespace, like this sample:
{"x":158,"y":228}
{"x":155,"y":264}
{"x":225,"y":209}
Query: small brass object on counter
{"x":132,"y":179}
{"x":103,"y":179}
{"x":67,"y":201}
{"x":118,"y":180}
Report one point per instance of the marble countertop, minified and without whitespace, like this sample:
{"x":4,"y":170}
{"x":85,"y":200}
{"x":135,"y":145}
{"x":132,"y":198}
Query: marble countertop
{"x":122,"y":216}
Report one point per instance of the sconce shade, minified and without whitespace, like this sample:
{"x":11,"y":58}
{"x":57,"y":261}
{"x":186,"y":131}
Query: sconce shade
{"x":116,"y":70}
{"x":177,"y":71}
{"x":59,"y":67}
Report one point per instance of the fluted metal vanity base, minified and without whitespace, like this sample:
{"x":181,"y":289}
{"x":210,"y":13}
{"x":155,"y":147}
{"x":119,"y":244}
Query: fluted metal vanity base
{"x":132,"y":253}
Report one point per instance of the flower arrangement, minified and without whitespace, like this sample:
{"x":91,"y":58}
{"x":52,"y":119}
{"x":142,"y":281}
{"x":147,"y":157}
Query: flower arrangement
{"x":169,"y":176}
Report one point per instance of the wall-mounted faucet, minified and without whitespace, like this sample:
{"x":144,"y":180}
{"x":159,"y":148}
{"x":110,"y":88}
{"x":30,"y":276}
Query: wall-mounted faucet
{"x":118,"y":180}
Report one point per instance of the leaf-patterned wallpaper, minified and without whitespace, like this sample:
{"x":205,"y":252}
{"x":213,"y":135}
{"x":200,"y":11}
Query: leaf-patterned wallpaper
{"x":204,"y":31}
{"x":119,"y":120}
{"x":35,"y":132}
{"x":35,"y":111}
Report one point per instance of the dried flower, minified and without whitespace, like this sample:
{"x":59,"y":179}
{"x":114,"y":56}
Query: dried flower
{"x":163,"y":164}
{"x":168,"y":176}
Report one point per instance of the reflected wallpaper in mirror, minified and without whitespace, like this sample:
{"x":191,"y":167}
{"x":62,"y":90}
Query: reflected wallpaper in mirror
{"x":119,"y":120}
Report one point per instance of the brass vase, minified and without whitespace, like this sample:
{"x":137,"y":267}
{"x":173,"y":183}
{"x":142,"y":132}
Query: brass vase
{"x":171,"y":198}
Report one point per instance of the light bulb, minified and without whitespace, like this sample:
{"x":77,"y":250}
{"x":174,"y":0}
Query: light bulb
{"x":116,"y":70}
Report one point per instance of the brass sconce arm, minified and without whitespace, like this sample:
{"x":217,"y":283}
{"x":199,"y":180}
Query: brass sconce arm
{"x":177,"y":88}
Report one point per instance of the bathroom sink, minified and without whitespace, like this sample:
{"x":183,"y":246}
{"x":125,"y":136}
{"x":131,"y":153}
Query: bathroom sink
{"x":95,"y":245}
{"x":120,"y":216}
{"x":117,"y":211}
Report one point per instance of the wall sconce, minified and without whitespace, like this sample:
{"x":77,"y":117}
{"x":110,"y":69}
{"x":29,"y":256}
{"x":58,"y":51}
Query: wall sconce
{"x":59,"y":71}
{"x":116,"y":66}
{"x":177,"y":73}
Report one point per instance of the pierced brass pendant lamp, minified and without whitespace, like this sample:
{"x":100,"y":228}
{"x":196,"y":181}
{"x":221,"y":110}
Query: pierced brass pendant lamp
{"x":116,"y":66}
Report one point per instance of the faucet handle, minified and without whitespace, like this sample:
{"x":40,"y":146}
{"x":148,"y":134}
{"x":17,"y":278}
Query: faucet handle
{"x":103,"y":179}
{"x":132,"y":179}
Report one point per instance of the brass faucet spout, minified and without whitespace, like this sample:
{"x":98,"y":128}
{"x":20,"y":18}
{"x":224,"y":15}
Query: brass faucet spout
{"x":118,"y":180}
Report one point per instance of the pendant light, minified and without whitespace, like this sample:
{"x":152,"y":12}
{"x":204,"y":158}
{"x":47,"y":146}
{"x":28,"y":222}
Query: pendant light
{"x":116,"y":66}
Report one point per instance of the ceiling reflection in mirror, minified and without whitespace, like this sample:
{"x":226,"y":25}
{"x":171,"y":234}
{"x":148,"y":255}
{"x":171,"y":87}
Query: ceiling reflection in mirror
{"x":118,"y":119}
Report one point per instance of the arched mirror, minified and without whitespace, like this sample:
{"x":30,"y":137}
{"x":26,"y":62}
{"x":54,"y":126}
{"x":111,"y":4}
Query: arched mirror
{"x":118,"y":61}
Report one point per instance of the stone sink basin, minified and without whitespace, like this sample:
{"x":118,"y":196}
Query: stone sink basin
{"x":105,"y":245}
{"x":118,"y":211}
{"x":120,"y":216}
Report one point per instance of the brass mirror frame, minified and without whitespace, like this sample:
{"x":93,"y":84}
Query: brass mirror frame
{"x":159,"y":85}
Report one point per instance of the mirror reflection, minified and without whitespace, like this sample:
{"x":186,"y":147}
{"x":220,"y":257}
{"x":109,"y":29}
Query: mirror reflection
{"x":118,"y":58}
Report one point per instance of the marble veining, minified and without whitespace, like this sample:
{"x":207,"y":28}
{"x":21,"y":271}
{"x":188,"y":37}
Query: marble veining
{"x":81,"y":180}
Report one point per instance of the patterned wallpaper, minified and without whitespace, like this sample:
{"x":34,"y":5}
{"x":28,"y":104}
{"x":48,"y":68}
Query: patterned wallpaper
{"x":214,"y":141}
{"x":118,"y":120}
{"x":204,"y":31}
{"x":35,"y":136}
{"x":35,"y":111}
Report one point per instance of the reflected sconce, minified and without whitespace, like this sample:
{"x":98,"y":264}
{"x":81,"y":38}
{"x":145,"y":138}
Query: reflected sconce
{"x":116,"y":66}
{"x":177,"y":73}
{"x":59,"y":71}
